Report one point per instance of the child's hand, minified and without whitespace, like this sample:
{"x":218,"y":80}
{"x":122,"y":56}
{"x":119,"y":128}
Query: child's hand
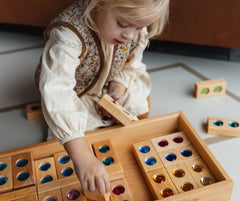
{"x":90,"y":171}
{"x":116,"y":91}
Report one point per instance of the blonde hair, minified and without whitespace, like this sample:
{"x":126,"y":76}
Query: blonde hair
{"x":158,"y":9}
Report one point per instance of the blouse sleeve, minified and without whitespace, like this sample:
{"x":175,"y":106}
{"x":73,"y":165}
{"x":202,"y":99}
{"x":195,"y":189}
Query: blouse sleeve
{"x":134,"y":73}
{"x":63,"y":110}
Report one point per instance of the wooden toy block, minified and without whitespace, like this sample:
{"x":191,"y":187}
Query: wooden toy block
{"x":178,"y":155}
{"x":120,"y":191}
{"x":210,"y":88}
{"x":23,"y":172}
{"x":170,"y":141}
{"x":63,"y":164}
{"x":73,"y":192}
{"x":104,"y":151}
{"x":6,"y":174}
{"x":45,"y":170}
{"x":117,"y":111}
{"x":223,"y":126}
{"x":34,"y":111}
{"x":28,"y":198}
{"x":160,"y":183}
{"x":181,"y":177}
{"x":50,"y":195}
{"x":147,"y":156}
{"x":19,"y":194}
{"x":92,"y":196}
{"x":115,"y":171}
{"x":200,"y":172}
{"x":56,"y":184}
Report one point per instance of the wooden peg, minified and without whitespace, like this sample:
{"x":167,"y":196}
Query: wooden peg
{"x":117,"y":111}
{"x":210,"y":88}
{"x":222,"y":126}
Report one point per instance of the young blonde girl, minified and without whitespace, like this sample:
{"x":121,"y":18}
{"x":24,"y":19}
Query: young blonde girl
{"x":95,"y":47}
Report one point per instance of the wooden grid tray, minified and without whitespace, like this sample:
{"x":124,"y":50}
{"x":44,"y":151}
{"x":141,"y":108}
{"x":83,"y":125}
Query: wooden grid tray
{"x":123,"y":138}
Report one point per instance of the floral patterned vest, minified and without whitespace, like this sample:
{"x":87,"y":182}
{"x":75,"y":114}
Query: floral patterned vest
{"x":92,"y":58}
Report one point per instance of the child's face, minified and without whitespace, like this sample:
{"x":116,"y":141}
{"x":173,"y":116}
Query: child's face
{"x":115,"y":29}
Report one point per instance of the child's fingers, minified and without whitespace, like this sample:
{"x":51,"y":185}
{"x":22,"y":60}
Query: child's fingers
{"x":100,"y":184}
{"x":84,"y":184}
{"x":106,"y":182}
{"x":100,"y":111}
{"x":91,"y":184}
{"x":104,"y":113}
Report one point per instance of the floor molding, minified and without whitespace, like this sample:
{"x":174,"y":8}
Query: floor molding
{"x":21,"y":49}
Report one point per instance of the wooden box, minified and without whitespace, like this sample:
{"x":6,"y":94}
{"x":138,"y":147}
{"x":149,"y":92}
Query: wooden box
{"x":123,"y":138}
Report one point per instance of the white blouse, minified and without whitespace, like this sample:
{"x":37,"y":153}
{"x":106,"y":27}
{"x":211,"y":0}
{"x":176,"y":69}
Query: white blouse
{"x":69,"y":116}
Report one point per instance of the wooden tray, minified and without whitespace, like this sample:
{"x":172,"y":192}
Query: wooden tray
{"x":123,"y":138}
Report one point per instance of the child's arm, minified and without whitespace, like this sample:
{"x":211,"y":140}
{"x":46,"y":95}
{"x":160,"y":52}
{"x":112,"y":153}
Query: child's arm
{"x":90,"y":171}
{"x":65,"y":113}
